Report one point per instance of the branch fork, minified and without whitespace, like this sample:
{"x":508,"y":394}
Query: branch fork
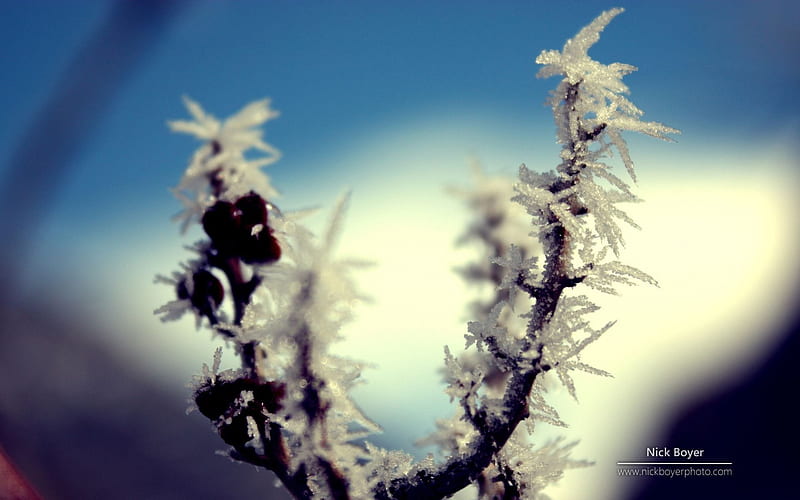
{"x":288,"y":408}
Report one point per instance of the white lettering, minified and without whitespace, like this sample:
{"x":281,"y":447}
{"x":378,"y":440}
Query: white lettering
{"x":687,"y":454}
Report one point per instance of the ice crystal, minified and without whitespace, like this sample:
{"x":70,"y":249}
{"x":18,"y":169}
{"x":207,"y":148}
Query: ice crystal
{"x":535,"y":468}
{"x":175,"y":309}
{"x":601,"y":85}
{"x":462,"y":384}
{"x":590,"y":109}
{"x":497,"y":223}
{"x":606,"y":276}
{"x":517,"y":270}
{"x":307,"y":287}
{"x":295,"y":319}
{"x":541,"y":410}
{"x":452,"y":435}
{"x":223,"y":157}
{"x":480,"y":331}
{"x":567,"y":334}
{"x":386,"y":465}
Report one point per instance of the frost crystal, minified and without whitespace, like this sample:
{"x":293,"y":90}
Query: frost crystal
{"x":533,"y":469}
{"x":222,"y":160}
{"x":591,"y":110}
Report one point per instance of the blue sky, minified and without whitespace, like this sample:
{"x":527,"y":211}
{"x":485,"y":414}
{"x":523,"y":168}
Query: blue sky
{"x":391,"y":99}
{"x":723,"y":72}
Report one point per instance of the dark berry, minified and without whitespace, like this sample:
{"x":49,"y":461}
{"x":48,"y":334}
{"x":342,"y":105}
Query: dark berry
{"x":235,"y":433}
{"x":260,"y":248}
{"x":214,"y":401}
{"x":270,"y":395}
{"x":222,"y":223}
{"x":217,"y":400}
{"x":253,"y":209}
{"x":207,"y":292}
{"x":182,"y":291}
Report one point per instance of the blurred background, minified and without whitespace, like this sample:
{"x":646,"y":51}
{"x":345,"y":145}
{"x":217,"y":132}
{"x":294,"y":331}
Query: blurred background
{"x":392,"y":100}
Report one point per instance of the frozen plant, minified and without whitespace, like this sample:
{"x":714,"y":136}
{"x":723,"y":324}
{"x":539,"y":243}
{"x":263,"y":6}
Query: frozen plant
{"x":286,"y":297}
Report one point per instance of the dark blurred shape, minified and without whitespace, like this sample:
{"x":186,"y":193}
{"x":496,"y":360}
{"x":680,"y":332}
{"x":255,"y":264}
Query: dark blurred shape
{"x":76,"y":418}
{"x":79,"y":422}
{"x":753,"y":424}
{"x":69,"y":116}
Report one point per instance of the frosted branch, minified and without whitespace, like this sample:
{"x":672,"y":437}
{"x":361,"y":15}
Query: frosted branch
{"x":265,"y":284}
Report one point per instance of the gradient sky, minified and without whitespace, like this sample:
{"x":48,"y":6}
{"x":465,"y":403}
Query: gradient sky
{"x":340,"y":72}
{"x":392,"y":99}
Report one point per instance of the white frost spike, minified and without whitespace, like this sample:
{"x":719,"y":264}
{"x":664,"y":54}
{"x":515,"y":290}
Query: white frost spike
{"x":540,"y":409}
{"x":515,"y":267}
{"x":606,"y":276}
{"x":452,"y":435}
{"x":590,"y":34}
{"x":479,"y":331}
{"x":571,"y":61}
{"x":624,"y":153}
{"x":223,"y":156}
{"x":217,"y":361}
{"x":193,"y":207}
{"x":463,"y":384}
{"x":238,"y":131}
{"x":204,"y":126}
{"x":386,"y":465}
{"x":600,"y":100}
{"x":174,"y":310}
{"x":536,"y":468}
{"x":534,"y":198}
{"x":335,"y":226}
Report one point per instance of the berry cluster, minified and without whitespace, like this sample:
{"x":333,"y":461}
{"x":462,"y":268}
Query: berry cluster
{"x":223,"y":404}
{"x":238,"y":232}
{"x":240,"y":229}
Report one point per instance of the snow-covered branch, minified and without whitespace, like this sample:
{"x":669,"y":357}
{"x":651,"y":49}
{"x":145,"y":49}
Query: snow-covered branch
{"x":286,"y":298}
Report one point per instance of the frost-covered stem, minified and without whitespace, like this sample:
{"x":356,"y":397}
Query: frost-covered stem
{"x":556,"y":241}
{"x":313,"y":405}
{"x":275,"y":456}
{"x":459,"y":472}
{"x":241,"y":290}
{"x":494,"y":430}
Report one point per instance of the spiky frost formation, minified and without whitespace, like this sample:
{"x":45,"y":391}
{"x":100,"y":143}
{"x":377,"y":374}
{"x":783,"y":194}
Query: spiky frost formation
{"x":222,"y":158}
{"x":289,"y":408}
{"x":576,"y":219}
{"x":591,"y":111}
